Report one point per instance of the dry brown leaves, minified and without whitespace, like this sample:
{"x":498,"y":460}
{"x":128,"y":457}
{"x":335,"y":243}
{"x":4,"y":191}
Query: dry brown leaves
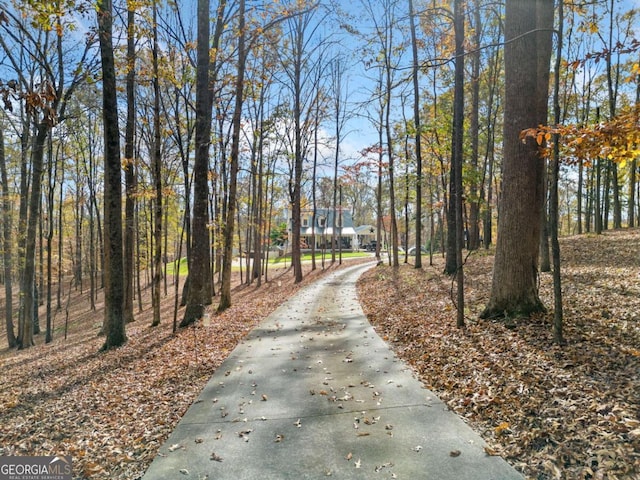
{"x":569,"y":412}
{"x":112,"y":411}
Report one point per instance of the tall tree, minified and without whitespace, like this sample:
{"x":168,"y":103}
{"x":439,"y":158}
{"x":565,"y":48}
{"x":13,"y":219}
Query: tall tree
{"x":473,"y":240}
{"x":129,"y":165}
{"x":418,"y":134}
{"x":340,"y":93}
{"x":457,"y":154}
{"x":453,"y":264}
{"x":225,"y":292}
{"x":7,"y":239}
{"x":44,"y":100}
{"x":528,"y":27}
{"x":199,"y":290}
{"x":156,"y":175}
{"x":113,"y":276}
{"x":553,"y":196}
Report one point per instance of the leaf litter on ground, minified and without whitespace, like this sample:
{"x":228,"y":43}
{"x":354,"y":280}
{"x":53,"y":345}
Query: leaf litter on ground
{"x":554,"y":412}
{"x":569,"y":412}
{"x":111,"y":411}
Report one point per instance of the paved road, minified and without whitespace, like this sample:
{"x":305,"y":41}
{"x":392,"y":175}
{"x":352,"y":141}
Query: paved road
{"x":314,"y":392}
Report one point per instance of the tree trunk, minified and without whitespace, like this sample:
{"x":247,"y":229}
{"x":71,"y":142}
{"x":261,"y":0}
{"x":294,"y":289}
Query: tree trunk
{"x":225,"y":291}
{"x":514,"y":289}
{"x":418,"y":137}
{"x":545,"y":258}
{"x":25,"y":337}
{"x":52,"y":174}
{"x":157,"y":179}
{"x":113,"y":274}
{"x":553,"y":197}
{"x":295,"y":188}
{"x":7,"y":250}
{"x":129,"y":169}
{"x":456,"y":157}
{"x":199,"y":292}
{"x":474,"y":196}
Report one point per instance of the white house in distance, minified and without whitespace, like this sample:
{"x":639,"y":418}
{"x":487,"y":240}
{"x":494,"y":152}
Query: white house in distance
{"x":323,"y":229}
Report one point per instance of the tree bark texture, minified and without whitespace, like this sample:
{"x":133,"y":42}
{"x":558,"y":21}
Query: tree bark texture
{"x":199,"y":292}
{"x":113,"y":265}
{"x":514,"y":289}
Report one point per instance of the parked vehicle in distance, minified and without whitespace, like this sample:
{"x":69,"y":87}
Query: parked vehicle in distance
{"x":412,"y":250}
{"x":371,"y":246}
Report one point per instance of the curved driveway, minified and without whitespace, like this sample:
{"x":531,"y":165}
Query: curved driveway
{"x":314,"y":392}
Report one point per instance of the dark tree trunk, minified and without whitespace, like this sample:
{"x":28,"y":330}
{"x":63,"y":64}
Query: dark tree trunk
{"x":157,"y":179}
{"x":113,"y":265}
{"x":553,"y":197}
{"x":199,"y":292}
{"x":456,"y":157}
{"x":28,"y":287}
{"x":225,"y":291}
{"x":474,"y":197}
{"x":418,"y":137}
{"x":129,"y":169}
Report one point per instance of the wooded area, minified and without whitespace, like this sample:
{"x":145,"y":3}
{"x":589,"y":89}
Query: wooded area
{"x":229,"y":135}
{"x":156,"y":153}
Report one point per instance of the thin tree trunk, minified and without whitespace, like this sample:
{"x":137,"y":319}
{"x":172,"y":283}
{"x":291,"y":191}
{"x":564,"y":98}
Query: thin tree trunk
{"x":7,"y":250}
{"x":52,"y":173}
{"x":129,"y":169}
{"x":456,"y":157}
{"x":28,"y":293}
{"x":553,"y":199}
{"x":418,"y":137}
{"x":474,"y":197}
{"x":157,"y":179}
{"x":225,"y":291}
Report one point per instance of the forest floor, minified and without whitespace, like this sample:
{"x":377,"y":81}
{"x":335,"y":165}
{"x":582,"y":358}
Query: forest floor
{"x":570,"y":412}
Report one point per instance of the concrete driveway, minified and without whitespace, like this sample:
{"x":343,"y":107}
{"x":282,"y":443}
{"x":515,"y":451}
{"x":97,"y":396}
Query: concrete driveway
{"x":314,"y":392}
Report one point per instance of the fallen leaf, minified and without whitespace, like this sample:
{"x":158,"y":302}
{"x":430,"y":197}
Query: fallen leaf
{"x":491,"y":451}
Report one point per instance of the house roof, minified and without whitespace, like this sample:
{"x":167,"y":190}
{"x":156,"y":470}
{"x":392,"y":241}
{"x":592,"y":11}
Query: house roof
{"x":365,"y":229}
{"x":327,"y":214}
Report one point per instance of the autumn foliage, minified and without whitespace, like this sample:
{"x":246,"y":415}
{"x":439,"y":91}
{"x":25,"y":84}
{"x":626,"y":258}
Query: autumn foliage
{"x":554,"y":412}
{"x":617,"y":140}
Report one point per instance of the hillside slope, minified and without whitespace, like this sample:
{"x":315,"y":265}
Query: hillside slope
{"x":569,"y":412}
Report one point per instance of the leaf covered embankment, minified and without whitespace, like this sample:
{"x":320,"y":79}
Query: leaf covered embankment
{"x":111,"y":411}
{"x":569,"y":412}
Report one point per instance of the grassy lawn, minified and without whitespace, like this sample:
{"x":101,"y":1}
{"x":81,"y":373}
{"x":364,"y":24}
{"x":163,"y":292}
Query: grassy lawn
{"x":307,"y":257}
{"x":183,"y":267}
{"x":285,"y":260}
